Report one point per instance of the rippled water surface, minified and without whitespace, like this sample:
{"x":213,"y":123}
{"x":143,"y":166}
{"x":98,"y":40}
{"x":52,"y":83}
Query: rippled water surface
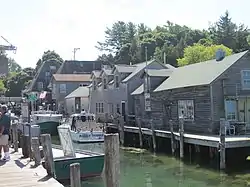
{"x":148,"y":170}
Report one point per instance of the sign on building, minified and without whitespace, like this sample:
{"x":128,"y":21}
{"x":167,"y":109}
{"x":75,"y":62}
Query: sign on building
{"x":147,"y":102}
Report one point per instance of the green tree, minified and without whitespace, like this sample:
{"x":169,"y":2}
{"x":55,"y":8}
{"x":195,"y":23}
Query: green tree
{"x":228,"y":33}
{"x":48,"y":56}
{"x":199,"y":53}
{"x":15,"y":83}
{"x":13,"y":65}
{"x":30,"y":71}
{"x":2,"y":88}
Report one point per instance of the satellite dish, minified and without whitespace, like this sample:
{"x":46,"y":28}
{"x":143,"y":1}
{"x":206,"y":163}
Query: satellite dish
{"x":219,"y":55}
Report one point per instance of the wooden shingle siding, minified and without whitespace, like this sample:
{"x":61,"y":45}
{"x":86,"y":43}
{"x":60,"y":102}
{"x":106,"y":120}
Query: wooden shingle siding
{"x":228,"y":85}
{"x":202,"y":109}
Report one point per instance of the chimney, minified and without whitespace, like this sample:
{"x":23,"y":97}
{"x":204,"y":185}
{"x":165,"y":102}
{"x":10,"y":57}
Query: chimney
{"x":165,"y":58}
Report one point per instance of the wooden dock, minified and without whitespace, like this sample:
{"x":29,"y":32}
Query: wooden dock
{"x":19,"y":172}
{"x":203,"y":140}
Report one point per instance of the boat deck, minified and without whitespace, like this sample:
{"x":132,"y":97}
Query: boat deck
{"x":58,"y":153}
{"x":232,"y":141}
{"x":19,"y":172}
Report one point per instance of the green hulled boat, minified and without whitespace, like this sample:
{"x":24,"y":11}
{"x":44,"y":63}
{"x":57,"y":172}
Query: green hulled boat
{"x":91,"y":164}
{"x":48,"y":121}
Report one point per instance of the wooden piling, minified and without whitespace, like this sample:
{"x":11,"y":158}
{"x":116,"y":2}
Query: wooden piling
{"x":153,"y":135}
{"x":15,"y":136}
{"x":172,"y":136}
{"x":140,"y":132}
{"x":48,"y":154}
{"x":181,"y":131}
{"x":75,"y":175}
{"x":121,"y":129}
{"x":222,"y":148}
{"x":35,"y":150}
{"x":112,"y":160}
{"x":25,"y":146}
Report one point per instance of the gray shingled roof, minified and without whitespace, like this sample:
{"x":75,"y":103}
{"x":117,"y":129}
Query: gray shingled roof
{"x":124,"y":68}
{"x":138,"y":90}
{"x":82,"y":91}
{"x":202,"y":73}
{"x":159,"y":72}
{"x":139,"y":67}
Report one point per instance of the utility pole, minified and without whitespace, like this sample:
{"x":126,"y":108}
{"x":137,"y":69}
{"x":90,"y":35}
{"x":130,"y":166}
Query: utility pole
{"x":75,"y":50}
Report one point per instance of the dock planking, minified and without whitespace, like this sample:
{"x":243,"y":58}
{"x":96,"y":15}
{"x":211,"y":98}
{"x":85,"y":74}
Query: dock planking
{"x":204,"y":140}
{"x":19,"y":172}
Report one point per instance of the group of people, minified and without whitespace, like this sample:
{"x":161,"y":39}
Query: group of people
{"x":5,"y":122}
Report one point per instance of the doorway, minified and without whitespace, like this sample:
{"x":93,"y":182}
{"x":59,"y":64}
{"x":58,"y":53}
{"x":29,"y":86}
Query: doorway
{"x":244,"y":109}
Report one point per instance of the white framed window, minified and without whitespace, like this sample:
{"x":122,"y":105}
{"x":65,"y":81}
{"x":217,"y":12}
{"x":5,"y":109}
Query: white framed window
{"x":52,"y":67}
{"x":62,"y":88}
{"x":186,"y":110}
{"x":118,"y":109}
{"x":117,"y":81}
{"x":39,"y":85}
{"x":104,"y":84}
{"x":245,"y":79}
{"x":94,"y":85}
{"x":47,"y":74}
{"x":231,"y":110}
{"x":111,"y":108}
{"x":102,"y":108}
{"x":96,"y":108}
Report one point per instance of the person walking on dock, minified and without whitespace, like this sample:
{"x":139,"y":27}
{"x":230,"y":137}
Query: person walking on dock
{"x":4,"y":132}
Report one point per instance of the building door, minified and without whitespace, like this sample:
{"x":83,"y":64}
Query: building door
{"x":77,"y":105}
{"x":242,"y":109}
{"x":123,"y":108}
{"x":248,"y":110}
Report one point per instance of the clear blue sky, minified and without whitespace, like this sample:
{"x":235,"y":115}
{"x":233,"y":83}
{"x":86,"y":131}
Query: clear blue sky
{"x":38,"y":25}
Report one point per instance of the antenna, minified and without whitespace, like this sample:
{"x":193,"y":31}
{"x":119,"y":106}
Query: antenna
{"x":75,"y":50}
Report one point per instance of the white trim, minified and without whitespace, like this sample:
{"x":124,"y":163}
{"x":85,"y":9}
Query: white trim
{"x":226,"y":112}
{"x":242,"y":80}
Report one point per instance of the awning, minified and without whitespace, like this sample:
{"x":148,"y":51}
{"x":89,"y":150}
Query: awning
{"x":43,"y":95}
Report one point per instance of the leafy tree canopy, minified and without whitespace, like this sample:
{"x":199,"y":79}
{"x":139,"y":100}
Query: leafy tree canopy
{"x":199,"y":53}
{"x":125,"y":42}
{"x":2,"y":88}
{"x":48,"y":56}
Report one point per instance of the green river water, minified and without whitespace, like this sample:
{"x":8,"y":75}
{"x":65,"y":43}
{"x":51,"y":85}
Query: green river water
{"x":149,"y":170}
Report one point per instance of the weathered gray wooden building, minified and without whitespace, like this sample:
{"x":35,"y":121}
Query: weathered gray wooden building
{"x":204,"y":92}
{"x":64,"y":84}
{"x":121,"y":81}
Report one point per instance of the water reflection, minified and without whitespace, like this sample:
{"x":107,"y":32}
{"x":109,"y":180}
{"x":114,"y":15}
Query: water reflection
{"x":148,"y":170}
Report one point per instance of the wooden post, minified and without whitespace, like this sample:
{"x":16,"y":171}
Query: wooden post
{"x":112,"y":160}
{"x":30,"y":136}
{"x":140,"y":131}
{"x":48,"y":154}
{"x":222,"y":148}
{"x":121,"y":129}
{"x":25,"y":146}
{"x":181,"y":131}
{"x":172,"y":136}
{"x":35,"y":150}
{"x":15,"y":136}
{"x":153,"y":134}
{"x":75,"y":175}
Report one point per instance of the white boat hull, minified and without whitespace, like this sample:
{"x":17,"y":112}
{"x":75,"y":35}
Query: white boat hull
{"x":87,"y":136}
